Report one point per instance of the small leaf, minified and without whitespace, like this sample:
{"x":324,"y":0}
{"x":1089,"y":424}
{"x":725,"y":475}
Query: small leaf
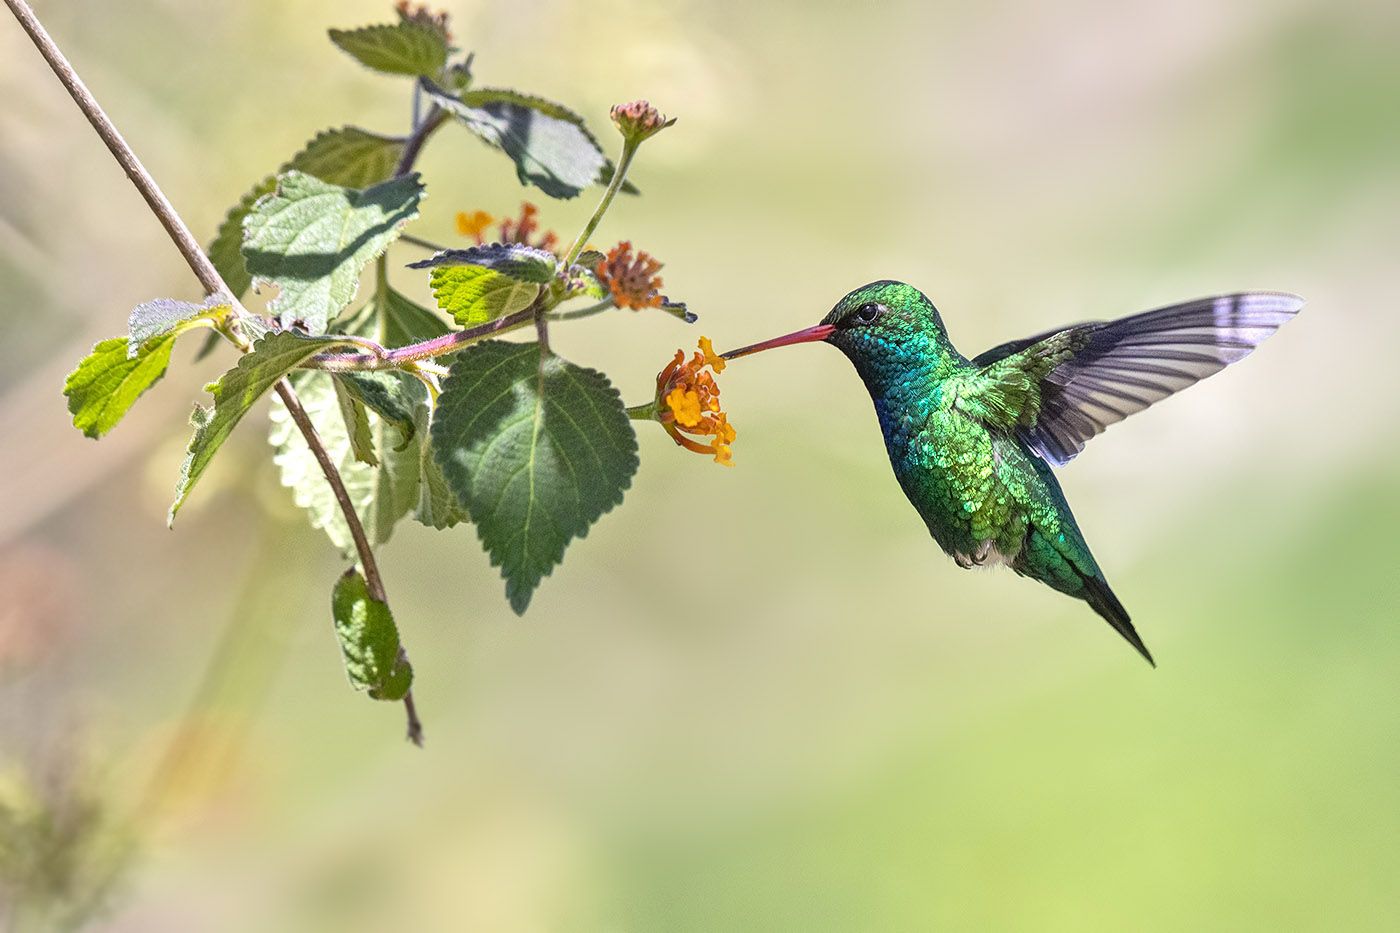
{"x":473,"y":295}
{"x":356,"y":420}
{"x":347,"y":156}
{"x":483,"y":283}
{"x":311,"y":239}
{"x":536,"y":450}
{"x":235,"y":392}
{"x":108,"y":381}
{"x":369,"y":640}
{"x":165,"y":315}
{"x":551,"y":147}
{"x":408,"y":47}
{"x":394,"y":397}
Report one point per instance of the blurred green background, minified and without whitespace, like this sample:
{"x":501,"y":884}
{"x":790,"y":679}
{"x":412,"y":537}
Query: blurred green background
{"x":759,"y":698}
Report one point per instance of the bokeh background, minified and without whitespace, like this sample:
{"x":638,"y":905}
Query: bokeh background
{"x":758,"y":698}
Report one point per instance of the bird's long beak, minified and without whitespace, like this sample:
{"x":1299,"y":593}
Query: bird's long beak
{"x":806,"y":335}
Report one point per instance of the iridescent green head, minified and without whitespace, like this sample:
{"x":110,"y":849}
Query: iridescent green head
{"x":889,"y":330}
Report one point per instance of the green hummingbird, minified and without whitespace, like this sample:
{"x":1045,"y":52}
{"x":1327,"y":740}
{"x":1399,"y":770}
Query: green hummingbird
{"x":972,"y":441}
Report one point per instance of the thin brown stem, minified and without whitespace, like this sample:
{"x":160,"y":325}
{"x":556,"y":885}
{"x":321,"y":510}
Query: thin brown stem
{"x":210,"y":279}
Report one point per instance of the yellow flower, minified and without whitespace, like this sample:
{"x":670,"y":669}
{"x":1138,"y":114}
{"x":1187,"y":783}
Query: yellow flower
{"x":687,"y":404}
{"x":474,"y":224}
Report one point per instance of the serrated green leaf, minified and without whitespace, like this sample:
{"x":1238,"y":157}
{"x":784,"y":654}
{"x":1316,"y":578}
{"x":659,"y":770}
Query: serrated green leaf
{"x":108,"y":381}
{"x":551,"y":147}
{"x":166,"y":315}
{"x":473,"y":295}
{"x":235,"y":392}
{"x":404,"y":48}
{"x":347,"y":156}
{"x":356,"y":420}
{"x":526,"y":263}
{"x":536,"y":450}
{"x":369,"y":640}
{"x":381,"y":496}
{"x":312,"y":238}
{"x":394,"y":397}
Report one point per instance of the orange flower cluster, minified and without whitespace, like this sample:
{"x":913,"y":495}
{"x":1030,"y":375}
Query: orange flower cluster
{"x":631,"y":279}
{"x":687,"y":404}
{"x":520,"y":230}
{"x":513,"y":230}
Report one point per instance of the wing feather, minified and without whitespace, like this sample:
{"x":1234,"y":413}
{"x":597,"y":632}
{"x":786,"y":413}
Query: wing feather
{"x":1117,"y":368}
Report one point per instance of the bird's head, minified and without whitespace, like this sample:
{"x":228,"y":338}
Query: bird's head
{"x":886,"y":328}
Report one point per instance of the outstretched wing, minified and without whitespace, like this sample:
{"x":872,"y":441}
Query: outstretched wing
{"x":1092,"y":375}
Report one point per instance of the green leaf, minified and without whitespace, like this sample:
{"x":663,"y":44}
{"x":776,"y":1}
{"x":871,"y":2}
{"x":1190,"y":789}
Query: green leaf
{"x":235,"y":392}
{"x":551,"y":147}
{"x":369,"y":640}
{"x":356,"y":420}
{"x":526,"y":263}
{"x":166,"y":315}
{"x":380,"y":495}
{"x":404,"y":48}
{"x":536,"y":449}
{"x":110,"y":379}
{"x":437,"y":503}
{"x":473,"y":295}
{"x":394,"y":397}
{"x":312,"y":238}
{"x":108,"y":382}
{"x":347,"y":156}
{"x":486,"y":282}
{"x":406,"y":321}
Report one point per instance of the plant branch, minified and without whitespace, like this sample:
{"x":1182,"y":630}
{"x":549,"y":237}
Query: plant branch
{"x":438,"y":346}
{"x":209,"y":278}
{"x":629,"y":149}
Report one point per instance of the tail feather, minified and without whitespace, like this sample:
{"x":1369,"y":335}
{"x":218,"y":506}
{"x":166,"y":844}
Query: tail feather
{"x":1101,"y":598}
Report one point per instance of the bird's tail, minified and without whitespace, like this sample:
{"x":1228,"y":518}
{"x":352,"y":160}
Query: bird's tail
{"x":1100,"y":597}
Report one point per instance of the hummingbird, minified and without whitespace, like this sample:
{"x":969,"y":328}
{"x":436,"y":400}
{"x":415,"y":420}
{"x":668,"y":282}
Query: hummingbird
{"x":972,"y":441}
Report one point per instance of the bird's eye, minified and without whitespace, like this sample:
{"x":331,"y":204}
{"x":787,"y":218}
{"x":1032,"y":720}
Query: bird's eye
{"x":869,"y":312}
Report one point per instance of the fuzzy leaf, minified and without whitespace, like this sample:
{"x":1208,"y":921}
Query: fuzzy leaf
{"x":551,"y":147}
{"x":312,"y":238}
{"x":166,"y":315}
{"x":235,"y":392}
{"x":369,"y":640}
{"x":536,"y":450}
{"x":483,"y":283}
{"x":473,"y":295}
{"x":347,"y":156}
{"x":404,"y":48}
{"x":516,"y":260}
{"x":381,"y":495}
{"x":108,"y":381}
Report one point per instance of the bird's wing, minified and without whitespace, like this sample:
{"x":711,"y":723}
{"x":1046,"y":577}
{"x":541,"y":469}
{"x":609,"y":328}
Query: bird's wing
{"x":1061,"y":389}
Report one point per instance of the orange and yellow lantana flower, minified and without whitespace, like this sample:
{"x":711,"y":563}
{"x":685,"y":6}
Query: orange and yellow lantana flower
{"x":687,"y":404}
